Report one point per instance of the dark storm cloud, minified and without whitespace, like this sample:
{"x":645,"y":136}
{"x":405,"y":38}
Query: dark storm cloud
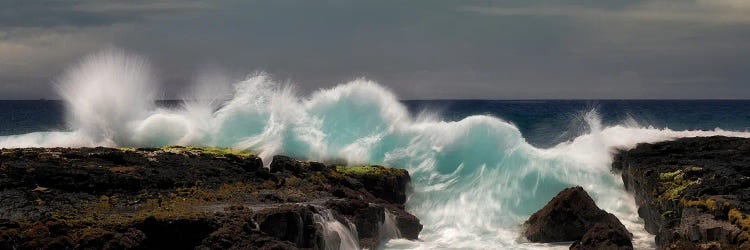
{"x":22,"y":13}
{"x":53,"y":13}
{"x":420,"y":49}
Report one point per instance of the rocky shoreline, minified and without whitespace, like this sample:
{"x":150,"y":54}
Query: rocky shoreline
{"x":187,"y":198}
{"x":693,"y":193}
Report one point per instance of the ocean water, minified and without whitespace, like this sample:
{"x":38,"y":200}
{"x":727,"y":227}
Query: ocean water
{"x":479,"y":168}
{"x":544,"y":123}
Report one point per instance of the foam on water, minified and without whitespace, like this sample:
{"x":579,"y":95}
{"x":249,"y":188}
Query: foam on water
{"x":474,"y":180}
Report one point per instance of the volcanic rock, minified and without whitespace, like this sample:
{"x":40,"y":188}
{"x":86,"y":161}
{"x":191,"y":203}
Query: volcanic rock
{"x":190,"y":198}
{"x":572,"y":216}
{"x":608,"y":233}
{"x":693,"y":193}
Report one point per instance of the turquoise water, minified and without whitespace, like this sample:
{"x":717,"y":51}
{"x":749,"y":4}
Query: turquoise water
{"x":479,"y":168}
{"x":544,"y":123}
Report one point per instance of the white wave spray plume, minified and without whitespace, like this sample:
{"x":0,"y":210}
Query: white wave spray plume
{"x":474,"y":181}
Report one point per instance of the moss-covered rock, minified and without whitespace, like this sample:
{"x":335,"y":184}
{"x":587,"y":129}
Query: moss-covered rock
{"x":380,"y":181}
{"x":208,"y":150}
{"x":180,"y":198}
{"x":370,"y":170}
{"x":691,"y":192}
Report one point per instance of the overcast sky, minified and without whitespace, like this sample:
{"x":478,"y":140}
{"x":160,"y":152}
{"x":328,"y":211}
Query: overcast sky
{"x":421,"y":49}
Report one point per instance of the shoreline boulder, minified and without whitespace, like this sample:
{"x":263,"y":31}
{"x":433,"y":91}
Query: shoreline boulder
{"x":573,"y":216}
{"x":608,"y":233}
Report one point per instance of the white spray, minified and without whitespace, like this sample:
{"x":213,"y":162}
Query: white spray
{"x":475,"y":180}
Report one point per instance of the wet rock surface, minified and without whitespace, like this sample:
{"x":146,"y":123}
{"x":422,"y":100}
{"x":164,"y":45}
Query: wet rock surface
{"x":573,"y":216}
{"x":188,"y":198}
{"x":607,"y":233}
{"x":693,"y":193}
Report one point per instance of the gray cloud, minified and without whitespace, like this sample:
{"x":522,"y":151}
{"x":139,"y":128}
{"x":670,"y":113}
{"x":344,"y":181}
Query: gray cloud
{"x":55,"y":13}
{"x":420,"y":49}
{"x":701,"y":11}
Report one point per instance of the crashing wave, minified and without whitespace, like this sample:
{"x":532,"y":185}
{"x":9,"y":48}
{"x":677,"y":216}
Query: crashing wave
{"x":475,"y":180}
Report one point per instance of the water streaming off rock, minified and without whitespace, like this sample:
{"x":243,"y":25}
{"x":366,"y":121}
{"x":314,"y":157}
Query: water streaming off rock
{"x":337,"y":235}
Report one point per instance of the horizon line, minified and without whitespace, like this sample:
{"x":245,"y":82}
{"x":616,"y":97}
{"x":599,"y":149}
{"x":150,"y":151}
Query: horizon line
{"x":490,"y":99}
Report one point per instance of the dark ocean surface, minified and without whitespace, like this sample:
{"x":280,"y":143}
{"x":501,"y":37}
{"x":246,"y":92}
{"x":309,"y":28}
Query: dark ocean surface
{"x":542,"y":122}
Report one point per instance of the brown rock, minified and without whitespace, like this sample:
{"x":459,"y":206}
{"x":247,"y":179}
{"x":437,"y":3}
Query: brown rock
{"x":608,"y":233}
{"x":566,"y":217}
{"x":573,"y":216}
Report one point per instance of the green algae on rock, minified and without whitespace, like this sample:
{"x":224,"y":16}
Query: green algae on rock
{"x":693,"y":193}
{"x":209,"y":150}
{"x":370,"y":170}
{"x":185,"y":198}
